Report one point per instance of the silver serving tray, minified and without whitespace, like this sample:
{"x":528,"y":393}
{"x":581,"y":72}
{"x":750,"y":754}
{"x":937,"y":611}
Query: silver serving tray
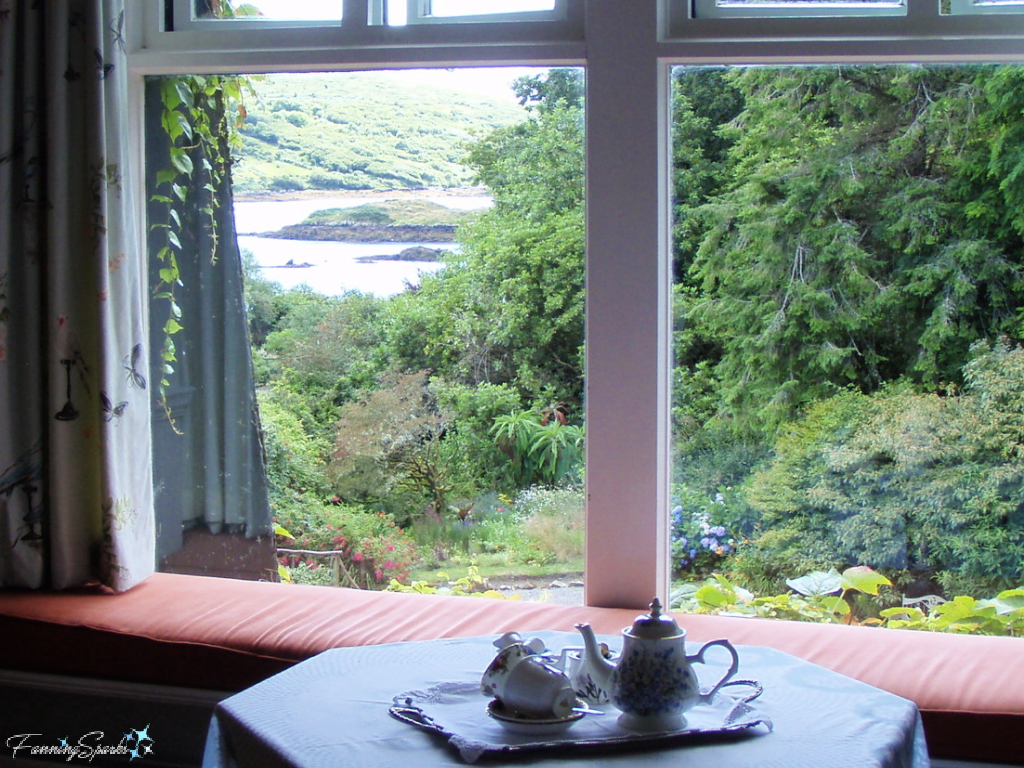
{"x":458,"y":712}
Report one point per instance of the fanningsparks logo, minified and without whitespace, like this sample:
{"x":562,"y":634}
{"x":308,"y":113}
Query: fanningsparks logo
{"x":133,"y":744}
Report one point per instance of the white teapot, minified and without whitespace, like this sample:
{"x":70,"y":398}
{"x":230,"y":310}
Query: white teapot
{"x":653,"y":682}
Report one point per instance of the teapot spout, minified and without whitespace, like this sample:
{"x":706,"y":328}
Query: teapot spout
{"x":594,"y":657}
{"x":592,"y":679}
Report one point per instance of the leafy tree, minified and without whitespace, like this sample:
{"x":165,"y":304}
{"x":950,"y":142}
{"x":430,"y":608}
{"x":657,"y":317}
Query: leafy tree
{"x":558,"y":87}
{"x":388,"y":440}
{"x":325,"y":350}
{"x":842,"y":251}
{"x":509,"y":308}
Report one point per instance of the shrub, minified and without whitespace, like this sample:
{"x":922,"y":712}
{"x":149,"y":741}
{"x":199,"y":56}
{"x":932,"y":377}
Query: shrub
{"x":294,"y":459}
{"x":553,"y":521}
{"x":902,"y":480}
{"x":700,"y":540}
{"x":287,"y":184}
{"x":374,"y":549}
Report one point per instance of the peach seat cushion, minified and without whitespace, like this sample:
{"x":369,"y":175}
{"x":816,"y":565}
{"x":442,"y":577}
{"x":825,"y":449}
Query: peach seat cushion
{"x":223,"y":634}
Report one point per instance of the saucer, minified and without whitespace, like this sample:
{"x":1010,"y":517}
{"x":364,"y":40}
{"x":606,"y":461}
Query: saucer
{"x":529,"y":725}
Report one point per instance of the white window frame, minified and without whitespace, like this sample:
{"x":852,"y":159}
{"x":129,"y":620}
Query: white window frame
{"x":628,"y":48}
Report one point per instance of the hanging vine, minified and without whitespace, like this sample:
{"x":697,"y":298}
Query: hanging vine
{"x":201,"y":117}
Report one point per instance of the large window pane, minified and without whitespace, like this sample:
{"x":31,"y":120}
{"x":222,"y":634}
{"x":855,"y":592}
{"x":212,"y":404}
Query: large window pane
{"x":413,"y":250}
{"x":849,"y":359}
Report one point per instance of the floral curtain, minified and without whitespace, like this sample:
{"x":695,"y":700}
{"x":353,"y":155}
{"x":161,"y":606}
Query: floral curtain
{"x":75,"y":477}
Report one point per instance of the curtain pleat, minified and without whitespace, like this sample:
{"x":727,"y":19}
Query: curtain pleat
{"x":76,"y":502}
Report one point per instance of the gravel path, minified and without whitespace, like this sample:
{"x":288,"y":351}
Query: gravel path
{"x":564,"y":591}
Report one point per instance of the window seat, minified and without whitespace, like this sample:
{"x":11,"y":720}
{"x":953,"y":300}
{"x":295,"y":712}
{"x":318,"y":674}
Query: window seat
{"x":201,"y":632}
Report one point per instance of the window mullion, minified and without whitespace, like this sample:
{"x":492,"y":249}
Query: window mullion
{"x":627,"y":308}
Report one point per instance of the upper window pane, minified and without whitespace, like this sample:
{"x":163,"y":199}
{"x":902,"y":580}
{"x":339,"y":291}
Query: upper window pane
{"x":716,"y":9}
{"x":270,"y":10}
{"x":401,"y":12}
{"x":190,"y":13}
{"x":972,"y":7}
{"x":487,"y":7}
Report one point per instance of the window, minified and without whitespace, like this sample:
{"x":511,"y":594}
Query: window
{"x":628,"y":51}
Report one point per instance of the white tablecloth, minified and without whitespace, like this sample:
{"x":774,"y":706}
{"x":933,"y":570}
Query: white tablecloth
{"x":332,"y":710}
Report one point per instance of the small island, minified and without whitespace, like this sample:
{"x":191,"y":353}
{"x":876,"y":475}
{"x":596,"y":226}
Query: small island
{"x":393,"y":221}
{"x":415,"y":253}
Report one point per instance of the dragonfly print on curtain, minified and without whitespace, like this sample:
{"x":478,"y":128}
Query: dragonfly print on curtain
{"x":75,"y":470}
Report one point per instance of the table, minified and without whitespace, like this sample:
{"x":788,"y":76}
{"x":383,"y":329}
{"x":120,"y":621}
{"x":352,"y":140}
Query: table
{"x":332,"y":710}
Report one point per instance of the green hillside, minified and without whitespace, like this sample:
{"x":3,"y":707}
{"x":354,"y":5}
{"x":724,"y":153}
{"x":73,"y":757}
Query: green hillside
{"x":360,"y":131}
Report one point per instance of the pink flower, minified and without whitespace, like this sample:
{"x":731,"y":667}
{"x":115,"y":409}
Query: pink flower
{"x":357,"y":556}
{"x":389,"y":564}
{"x":379,"y":574}
{"x":391,"y":547}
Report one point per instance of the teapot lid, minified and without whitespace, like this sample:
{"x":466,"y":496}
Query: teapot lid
{"x":655,"y":624}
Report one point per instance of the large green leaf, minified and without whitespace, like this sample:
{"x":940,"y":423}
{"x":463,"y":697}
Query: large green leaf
{"x":817,"y":583}
{"x":1010,"y":600}
{"x":864,"y":579}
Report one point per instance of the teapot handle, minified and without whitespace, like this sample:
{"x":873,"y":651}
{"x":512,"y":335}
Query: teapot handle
{"x":733,"y":667}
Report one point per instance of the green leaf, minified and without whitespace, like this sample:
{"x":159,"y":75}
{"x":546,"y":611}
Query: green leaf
{"x":172,"y":326}
{"x":181,"y":161}
{"x":177,"y":219}
{"x":864,"y":579}
{"x":817,"y":583}
{"x":167,"y":175}
{"x":180,"y":192}
{"x":183,"y":91}
{"x":185,"y":125}
{"x":712,"y":596}
{"x":1010,"y":600}
{"x":168,"y":275}
{"x":912,"y":614}
{"x":836,"y":605}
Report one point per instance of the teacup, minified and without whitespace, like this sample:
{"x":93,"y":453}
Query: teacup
{"x":536,"y":689}
{"x":497,"y":673}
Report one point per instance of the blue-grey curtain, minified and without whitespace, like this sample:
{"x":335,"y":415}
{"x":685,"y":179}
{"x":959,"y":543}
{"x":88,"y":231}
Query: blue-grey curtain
{"x":76,"y":502}
{"x":208,"y":468}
